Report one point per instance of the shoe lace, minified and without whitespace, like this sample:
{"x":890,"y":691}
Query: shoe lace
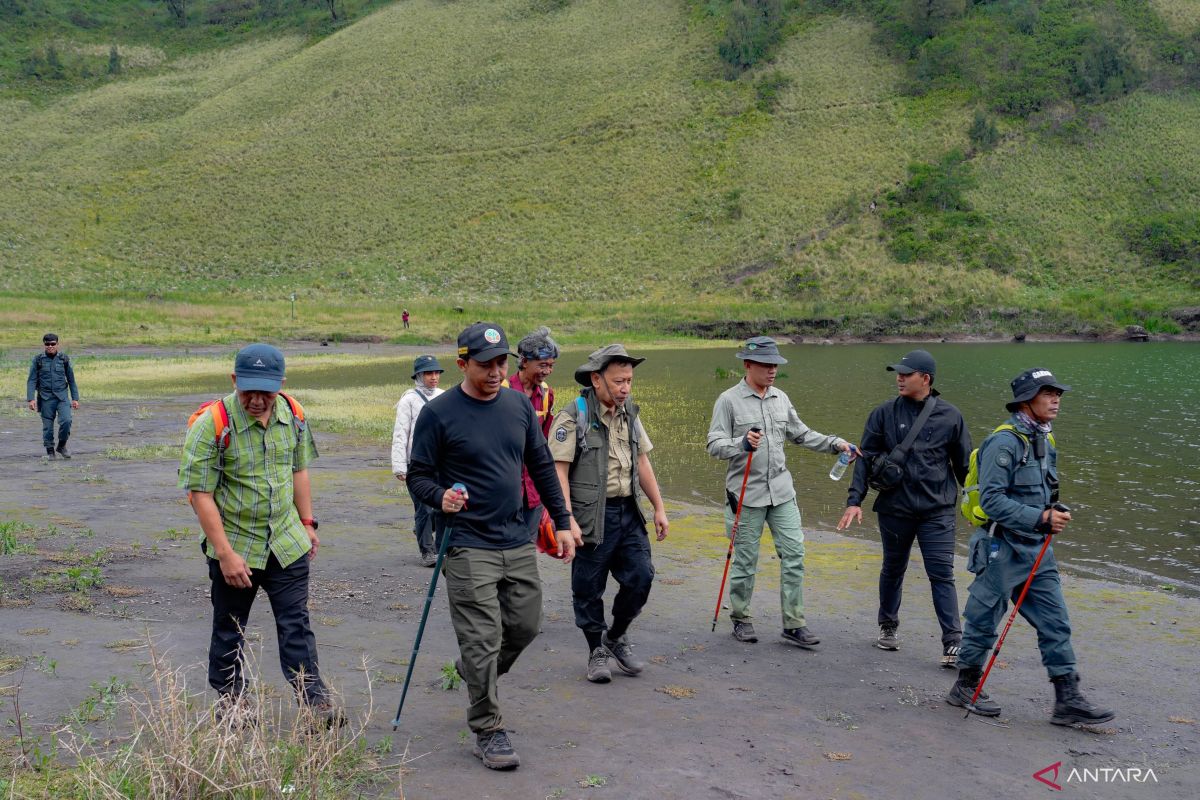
{"x":599,"y":657}
{"x":499,"y":741}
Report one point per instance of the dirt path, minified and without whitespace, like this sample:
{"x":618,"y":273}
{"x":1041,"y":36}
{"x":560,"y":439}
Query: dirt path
{"x":710,"y":718}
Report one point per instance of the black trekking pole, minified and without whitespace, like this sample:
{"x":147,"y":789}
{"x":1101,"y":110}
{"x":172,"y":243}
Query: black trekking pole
{"x":1000,"y":642}
{"x":412,"y":659}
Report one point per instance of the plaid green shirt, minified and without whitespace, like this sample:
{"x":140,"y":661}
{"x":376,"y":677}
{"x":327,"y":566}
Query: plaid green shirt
{"x":254,"y":491}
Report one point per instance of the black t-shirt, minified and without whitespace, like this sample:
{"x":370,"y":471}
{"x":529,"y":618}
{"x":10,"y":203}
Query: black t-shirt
{"x":482,"y":444}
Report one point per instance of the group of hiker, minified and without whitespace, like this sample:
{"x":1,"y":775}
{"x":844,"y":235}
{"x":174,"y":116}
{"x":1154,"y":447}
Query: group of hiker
{"x":497,"y":473}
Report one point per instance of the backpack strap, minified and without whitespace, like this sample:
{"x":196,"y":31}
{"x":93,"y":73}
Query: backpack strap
{"x":297,"y":413}
{"x":581,"y":423}
{"x":221,"y":429}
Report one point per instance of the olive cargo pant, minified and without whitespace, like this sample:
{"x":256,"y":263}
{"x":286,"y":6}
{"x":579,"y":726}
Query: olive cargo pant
{"x":784,"y":521}
{"x":496,"y":607}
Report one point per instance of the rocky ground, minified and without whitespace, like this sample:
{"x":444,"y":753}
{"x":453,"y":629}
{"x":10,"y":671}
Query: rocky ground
{"x":709,"y":718}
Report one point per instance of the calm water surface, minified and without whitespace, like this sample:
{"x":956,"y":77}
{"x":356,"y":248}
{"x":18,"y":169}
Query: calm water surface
{"x":1128,"y":433}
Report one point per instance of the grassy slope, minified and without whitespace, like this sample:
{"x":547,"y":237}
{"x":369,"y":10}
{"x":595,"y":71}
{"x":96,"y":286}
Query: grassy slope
{"x":474,"y":151}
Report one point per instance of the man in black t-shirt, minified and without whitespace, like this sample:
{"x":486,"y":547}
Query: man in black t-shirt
{"x":480,"y":435}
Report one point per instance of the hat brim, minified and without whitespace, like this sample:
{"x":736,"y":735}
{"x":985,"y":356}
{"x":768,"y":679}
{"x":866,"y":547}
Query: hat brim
{"x":583,"y":375}
{"x":760,"y":358}
{"x":903,"y":369}
{"x":422,"y":372}
{"x":1026,"y":396}
{"x":490,"y":353}
{"x":247,"y":384}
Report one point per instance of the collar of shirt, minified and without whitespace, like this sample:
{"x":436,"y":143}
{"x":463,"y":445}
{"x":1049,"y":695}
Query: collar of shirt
{"x":515,"y":383}
{"x":610,"y":415}
{"x":748,"y":391}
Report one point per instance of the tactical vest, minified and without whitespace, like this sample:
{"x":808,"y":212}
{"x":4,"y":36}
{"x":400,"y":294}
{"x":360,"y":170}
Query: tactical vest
{"x":588,"y":476}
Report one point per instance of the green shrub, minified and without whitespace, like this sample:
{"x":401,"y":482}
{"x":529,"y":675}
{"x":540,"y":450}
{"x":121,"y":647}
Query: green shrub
{"x":983,"y":133}
{"x":753,"y":29}
{"x":768,"y":88}
{"x":1171,"y":238}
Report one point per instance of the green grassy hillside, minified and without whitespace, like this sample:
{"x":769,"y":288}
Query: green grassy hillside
{"x":477,"y":153}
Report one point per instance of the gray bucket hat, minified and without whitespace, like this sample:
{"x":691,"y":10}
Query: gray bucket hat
{"x":426,"y":364}
{"x":600,"y":359}
{"x":1026,"y":386}
{"x":761,"y":349}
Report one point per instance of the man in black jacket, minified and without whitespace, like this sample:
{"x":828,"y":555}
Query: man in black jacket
{"x":480,"y":434}
{"x":921,"y":504}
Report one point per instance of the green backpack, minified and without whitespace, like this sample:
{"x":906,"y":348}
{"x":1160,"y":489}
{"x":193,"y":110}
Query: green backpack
{"x":969,"y":506}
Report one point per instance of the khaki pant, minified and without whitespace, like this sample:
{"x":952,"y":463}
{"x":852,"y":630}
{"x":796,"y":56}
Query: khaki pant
{"x":496,"y":607}
{"x":784,"y":521}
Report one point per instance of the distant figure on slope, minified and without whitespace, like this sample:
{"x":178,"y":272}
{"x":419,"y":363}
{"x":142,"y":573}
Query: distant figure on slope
{"x":404,"y":318}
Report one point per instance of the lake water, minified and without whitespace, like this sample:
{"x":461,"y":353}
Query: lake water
{"x":1128,"y":433}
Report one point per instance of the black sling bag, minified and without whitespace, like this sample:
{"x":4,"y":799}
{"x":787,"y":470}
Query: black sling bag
{"x":886,"y":470}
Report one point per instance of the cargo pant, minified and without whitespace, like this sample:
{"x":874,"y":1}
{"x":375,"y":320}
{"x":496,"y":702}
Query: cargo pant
{"x":49,"y":407}
{"x":1002,"y":578}
{"x":784,"y":521}
{"x":496,"y":608}
{"x":935,"y":536}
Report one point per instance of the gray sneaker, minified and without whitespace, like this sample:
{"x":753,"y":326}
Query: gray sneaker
{"x":428,"y":559}
{"x":597,"y":670}
{"x":888,"y":640}
{"x":63,"y":451}
{"x":622,"y":651}
{"x":495,"y":750}
{"x":744,"y":632}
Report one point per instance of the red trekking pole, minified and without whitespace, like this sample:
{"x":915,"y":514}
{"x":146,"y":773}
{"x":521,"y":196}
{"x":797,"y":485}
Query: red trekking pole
{"x":737,"y":516}
{"x":1000,"y":642}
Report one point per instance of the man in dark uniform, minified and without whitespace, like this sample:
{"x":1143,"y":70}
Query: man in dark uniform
{"x":50,"y":379}
{"x":601,"y":452}
{"x":920,"y":506}
{"x":1018,"y":490}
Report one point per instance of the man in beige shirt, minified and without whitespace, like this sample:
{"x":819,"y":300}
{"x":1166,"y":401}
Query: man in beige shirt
{"x":601,"y":465}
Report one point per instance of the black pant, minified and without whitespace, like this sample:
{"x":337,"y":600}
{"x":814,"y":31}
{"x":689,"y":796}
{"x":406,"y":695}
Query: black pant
{"x":935,"y":536}
{"x":625,"y":552}
{"x":287,"y":589}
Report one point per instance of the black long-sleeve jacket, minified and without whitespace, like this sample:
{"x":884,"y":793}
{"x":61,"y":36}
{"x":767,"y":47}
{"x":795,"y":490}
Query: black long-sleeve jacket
{"x":936,"y":465}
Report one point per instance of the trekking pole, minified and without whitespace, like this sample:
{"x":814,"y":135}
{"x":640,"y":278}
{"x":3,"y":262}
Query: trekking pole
{"x":412,"y":659}
{"x":1000,"y":642}
{"x":737,"y":516}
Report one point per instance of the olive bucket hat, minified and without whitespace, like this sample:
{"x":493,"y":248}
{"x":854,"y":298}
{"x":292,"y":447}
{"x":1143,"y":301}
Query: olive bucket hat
{"x":600,"y":359}
{"x":761,"y":349}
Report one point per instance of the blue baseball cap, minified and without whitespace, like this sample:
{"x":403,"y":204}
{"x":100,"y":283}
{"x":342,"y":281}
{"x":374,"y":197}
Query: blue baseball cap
{"x":259,"y":368}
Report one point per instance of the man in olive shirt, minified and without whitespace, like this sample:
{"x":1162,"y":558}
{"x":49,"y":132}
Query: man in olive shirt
{"x":252,"y":495}
{"x":609,"y":454}
{"x":754,"y":415}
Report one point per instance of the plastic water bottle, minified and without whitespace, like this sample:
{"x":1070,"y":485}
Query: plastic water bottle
{"x":839,"y":467}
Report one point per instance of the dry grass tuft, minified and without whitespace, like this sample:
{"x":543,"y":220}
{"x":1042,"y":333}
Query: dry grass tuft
{"x":678,"y":692}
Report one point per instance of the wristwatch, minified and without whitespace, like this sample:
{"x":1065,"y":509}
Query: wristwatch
{"x":313,"y":522}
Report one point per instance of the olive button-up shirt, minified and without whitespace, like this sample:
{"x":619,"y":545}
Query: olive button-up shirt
{"x":738,"y":410}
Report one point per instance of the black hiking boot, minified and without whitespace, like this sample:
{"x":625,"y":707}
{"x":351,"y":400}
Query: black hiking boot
{"x":597,"y":669}
{"x":495,"y":750}
{"x":964,"y":689}
{"x":623,"y":653}
{"x":1071,"y":707}
{"x":744,"y":632}
{"x":888,"y":640}
{"x":801,"y":636}
{"x":63,"y":451}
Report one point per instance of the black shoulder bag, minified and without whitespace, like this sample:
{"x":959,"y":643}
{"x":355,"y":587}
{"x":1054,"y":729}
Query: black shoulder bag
{"x":885,"y":471}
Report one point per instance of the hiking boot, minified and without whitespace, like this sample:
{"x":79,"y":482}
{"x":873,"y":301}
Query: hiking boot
{"x":888,"y":640}
{"x":964,"y":689}
{"x":598,"y":671}
{"x":428,"y":559}
{"x":801,"y":636}
{"x":327,"y":716}
{"x":495,"y":750}
{"x":63,"y":451}
{"x":950,"y":655}
{"x":1071,"y":707}
{"x":744,"y":632}
{"x":236,"y":711}
{"x":50,"y":455}
{"x":622,"y":651}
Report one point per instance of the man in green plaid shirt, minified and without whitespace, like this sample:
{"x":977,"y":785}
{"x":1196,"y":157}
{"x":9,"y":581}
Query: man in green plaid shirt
{"x":251,"y":492}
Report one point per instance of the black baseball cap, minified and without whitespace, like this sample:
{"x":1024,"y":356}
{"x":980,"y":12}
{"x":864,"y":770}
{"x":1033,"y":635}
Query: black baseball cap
{"x":1026,"y":386}
{"x":914,"y":361}
{"x":483,"y":341}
